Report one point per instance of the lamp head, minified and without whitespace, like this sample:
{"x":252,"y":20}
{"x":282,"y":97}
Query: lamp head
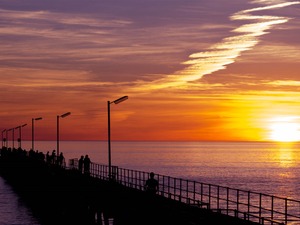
{"x":65,"y":114}
{"x":119,"y":100}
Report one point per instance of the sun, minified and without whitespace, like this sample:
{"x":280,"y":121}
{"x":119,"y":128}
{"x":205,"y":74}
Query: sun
{"x":285,"y":129}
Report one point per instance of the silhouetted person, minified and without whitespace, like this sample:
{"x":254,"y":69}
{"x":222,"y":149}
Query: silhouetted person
{"x":151,"y":185}
{"x":86,"y":163}
{"x":48,"y":158}
{"x":61,"y":159}
{"x":53,"y":157}
{"x":80,"y":163}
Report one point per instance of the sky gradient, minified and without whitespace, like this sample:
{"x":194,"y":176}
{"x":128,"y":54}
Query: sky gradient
{"x":193,"y":70}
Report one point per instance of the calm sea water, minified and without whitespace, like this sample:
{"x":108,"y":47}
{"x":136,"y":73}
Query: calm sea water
{"x":13,"y":211}
{"x":271,"y":168}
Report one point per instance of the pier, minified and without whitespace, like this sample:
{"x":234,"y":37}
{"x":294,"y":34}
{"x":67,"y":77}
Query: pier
{"x":61,"y":193}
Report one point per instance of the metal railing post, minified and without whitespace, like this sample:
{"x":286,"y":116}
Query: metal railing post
{"x":286,"y":210}
{"x":174,"y":187}
{"x":272,"y":209}
{"x":237,"y":201}
{"x":227,"y":200}
{"x":249,"y":203}
{"x":162,"y":184}
{"x":168,"y":186}
{"x":260,"y":202}
{"x":194,"y":193}
{"x":187,"y":189}
{"x":218,"y":197}
{"x":180,"y":189}
{"x":201,"y":192}
{"x":209,"y":194}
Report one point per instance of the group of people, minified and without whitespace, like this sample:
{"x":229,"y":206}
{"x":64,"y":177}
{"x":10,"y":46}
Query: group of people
{"x":53,"y":159}
{"x":84,"y":163}
{"x":151,"y":185}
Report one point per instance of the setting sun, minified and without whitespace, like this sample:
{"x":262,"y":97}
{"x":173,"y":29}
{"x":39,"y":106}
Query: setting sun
{"x":285,"y":129}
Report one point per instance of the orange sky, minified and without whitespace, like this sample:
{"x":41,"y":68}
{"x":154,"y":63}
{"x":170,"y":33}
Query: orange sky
{"x":201,"y":70}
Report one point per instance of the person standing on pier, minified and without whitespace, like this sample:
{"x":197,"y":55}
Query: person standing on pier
{"x":48,"y":157}
{"x":61,"y":159}
{"x":87,"y":163}
{"x":53,"y":157}
{"x":151,"y":185}
{"x":80,"y":163}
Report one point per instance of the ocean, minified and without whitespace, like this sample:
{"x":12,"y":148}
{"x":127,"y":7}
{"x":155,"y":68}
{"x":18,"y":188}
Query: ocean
{"x":264,"y":167}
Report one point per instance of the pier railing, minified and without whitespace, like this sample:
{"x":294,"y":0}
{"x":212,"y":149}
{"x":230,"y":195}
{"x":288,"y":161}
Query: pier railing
{"x":248,"y":205}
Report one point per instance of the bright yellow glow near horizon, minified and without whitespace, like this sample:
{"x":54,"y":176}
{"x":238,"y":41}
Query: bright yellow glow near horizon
{"x":285,"y":129}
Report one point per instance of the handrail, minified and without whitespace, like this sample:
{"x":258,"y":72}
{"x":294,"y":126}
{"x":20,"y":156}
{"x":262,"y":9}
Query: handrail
{"x":248,"y":205}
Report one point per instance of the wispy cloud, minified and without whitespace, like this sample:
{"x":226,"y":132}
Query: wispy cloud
{"x":80,"y":38}
{"x":290,"y":83}
{"x":218,"y":56}
{"x":42,"y":17}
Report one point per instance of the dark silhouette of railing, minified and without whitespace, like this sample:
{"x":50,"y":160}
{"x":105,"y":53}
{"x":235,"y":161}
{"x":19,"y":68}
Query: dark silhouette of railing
{"x":247,"y":205}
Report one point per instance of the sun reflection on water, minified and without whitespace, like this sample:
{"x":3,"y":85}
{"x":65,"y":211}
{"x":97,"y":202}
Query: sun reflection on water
{"x":286,"y":156}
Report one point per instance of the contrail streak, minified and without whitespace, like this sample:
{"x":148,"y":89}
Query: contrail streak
{"x":219,"y":55}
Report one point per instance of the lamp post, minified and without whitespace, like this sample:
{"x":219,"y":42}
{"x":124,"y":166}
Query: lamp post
{"x":32,"y":133}
{"x":3,"y":139}
{"x":57,"y":127}
{"x":20,"y":134}
{"x":6,"y":138}
{"x":13,"y":137}
{"x":117,"y":101}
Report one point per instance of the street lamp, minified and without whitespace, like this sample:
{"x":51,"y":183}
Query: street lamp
{"x":32,"y":137}
{"x":3,"y":139}
{"x":13,"y":137}
{"x":117,"y":101}
{"x":20,"y":134}
{"x":6,"y":138}
{"x":57,"y":127}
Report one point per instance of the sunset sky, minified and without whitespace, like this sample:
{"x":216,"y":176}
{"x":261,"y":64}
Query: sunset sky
{"x":192,"y":69}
